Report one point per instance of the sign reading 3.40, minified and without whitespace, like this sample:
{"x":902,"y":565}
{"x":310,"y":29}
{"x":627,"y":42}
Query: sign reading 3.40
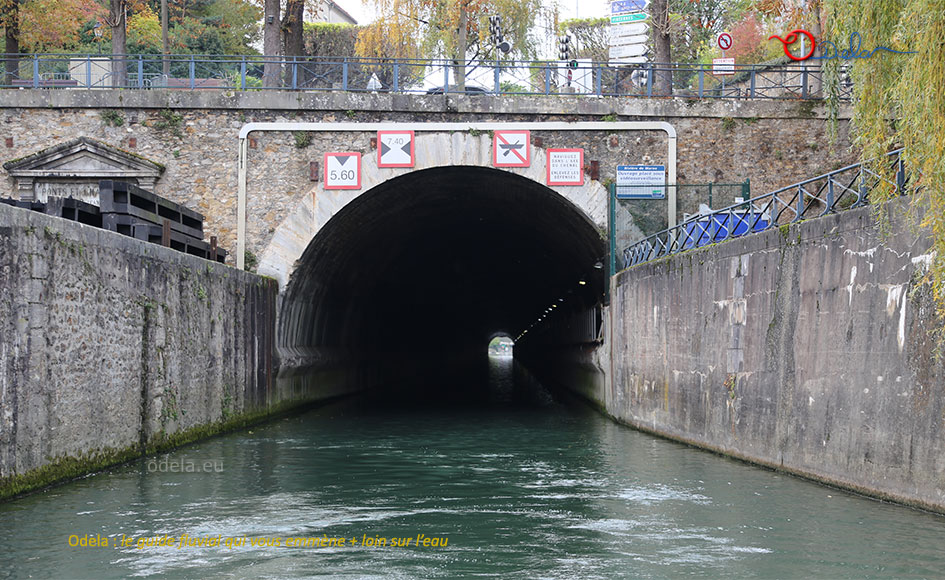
{"x":343,"y":170}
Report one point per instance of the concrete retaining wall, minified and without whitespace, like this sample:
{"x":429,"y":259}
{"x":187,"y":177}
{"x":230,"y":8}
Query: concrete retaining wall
{"x":806,"y":349}
{"x":111,"y":347}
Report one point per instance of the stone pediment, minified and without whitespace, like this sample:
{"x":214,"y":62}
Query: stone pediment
{"x":82,"y":161}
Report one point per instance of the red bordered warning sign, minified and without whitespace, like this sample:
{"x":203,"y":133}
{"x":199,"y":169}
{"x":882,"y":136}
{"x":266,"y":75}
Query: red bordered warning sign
{"x":395,"y":149}
{"x":343,"y":170}
{"x":511,"y":149}
{"x":565,"y":167}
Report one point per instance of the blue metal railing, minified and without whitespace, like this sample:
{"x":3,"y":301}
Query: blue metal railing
{"x":350,"y":74}
{"x":843,"y":188}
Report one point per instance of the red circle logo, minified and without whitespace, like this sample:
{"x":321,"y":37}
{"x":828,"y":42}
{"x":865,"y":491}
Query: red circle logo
{"x":793,"y":37}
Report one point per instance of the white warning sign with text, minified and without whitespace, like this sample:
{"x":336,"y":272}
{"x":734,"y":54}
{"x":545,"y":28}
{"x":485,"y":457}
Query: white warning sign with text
{"x":565,"y":167}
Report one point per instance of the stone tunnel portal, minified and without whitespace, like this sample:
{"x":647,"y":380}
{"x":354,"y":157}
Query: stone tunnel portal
{"x":429,"y":266}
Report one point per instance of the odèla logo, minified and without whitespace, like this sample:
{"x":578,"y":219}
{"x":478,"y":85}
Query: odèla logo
{"x":826,"y":47}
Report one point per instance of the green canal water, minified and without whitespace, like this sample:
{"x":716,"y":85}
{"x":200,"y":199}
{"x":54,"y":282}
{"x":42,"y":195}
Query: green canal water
{"x":515,"y":482}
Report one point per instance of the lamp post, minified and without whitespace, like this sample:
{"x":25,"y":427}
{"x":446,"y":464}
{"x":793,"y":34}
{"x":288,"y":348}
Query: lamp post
{"x":97,"y":31}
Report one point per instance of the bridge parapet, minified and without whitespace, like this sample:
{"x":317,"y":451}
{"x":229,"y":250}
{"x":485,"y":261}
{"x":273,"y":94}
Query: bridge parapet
{"x":193,"y":134}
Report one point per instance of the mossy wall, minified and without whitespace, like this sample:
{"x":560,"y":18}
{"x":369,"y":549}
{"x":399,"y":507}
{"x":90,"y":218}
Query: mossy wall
{"x":810,"y":349}
{"x":111,"y":348}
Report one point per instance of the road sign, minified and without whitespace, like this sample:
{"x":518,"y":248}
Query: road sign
{"x":627,"y":40}
{"x":641,"y":181}
{"x":631,"y":29}
{"x":622,"y":6}
{"x":565,"y":167}
{"x":630,"y":60}
{"x":343,"y":170}
{"x":511,"y":149}
{"x":627,"y":51}
{"x":635,"y":17}
{"x":723,"y":66}
{"x":724,"y":41}
{"x":395,"y":149}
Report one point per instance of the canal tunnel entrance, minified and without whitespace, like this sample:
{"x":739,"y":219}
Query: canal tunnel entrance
{"x":413,"y":277}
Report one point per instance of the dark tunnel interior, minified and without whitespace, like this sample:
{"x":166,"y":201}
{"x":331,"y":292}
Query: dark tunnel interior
{"x":438,"y":262}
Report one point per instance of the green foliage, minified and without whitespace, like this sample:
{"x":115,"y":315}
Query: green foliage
{"x":591,"y":37}
{"x":196,"y":27}
{"x":169,"y":121}
{"x":112,"y":118}
{"x":302,"y":139}
{"x":511,"y":88}
{"x":898,"y":102}
{"x":250,"y":261}
{"x":426,"y":29}
{"x":324,"y":39}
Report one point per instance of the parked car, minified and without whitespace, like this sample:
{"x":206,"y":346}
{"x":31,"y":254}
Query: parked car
{"x":470,"y":90}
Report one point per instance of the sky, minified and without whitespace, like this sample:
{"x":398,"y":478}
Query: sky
{"x":363,"y":12}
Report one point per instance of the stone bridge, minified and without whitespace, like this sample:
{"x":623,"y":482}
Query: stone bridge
{"x":445,"y":252}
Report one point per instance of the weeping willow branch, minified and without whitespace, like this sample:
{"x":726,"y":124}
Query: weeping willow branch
{"x":899,"y":101}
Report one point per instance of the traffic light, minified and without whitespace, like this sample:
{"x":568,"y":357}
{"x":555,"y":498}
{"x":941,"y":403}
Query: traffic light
{"x":564,"y":47}
{"x":495,"y":29}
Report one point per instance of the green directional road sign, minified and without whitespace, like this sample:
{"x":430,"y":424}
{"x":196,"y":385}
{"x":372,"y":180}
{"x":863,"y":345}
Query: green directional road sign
{"x":625,"y":18}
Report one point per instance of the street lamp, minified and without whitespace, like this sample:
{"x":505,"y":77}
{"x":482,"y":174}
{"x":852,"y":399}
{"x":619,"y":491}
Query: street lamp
{"x":97,"y":31}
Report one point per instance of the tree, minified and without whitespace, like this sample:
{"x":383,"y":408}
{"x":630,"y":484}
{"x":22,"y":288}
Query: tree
{"x":453,"y":29}
{"x":591,"y":37}
{"x":695,"y":24}
{"x":660,"y":30}
{"x":237,"y":22}
{"x":116,"y":20}
{"x":292,"y":27}
{"x":321,"y":40}
{"x":144,"y":32}
{"x":10,"y":16}
{"x":788,"y":15}
{"x":898,"y":102}
{"x":747,"y":40}
{"x":55,"y":24}
{"x":271,"y":43}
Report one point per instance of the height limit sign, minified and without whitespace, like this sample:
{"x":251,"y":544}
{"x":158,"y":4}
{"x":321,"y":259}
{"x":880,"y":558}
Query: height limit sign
{"x":343,"y":170}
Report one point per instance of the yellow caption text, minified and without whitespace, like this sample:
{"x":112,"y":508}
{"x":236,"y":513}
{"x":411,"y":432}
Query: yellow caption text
{"x":185,"y":541}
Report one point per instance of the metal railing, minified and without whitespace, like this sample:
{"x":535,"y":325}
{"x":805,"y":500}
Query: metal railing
{"x":432,"y":76}
{"x":844,"y":188}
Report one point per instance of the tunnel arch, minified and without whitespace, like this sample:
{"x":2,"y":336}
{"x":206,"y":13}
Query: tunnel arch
{"x":434,"y":149}
{"x":414,"y":259}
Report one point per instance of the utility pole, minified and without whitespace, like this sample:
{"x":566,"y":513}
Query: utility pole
{"x":165,"y":64}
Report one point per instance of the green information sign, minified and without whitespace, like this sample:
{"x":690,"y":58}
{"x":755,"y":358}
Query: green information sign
{"x":625,"y":18}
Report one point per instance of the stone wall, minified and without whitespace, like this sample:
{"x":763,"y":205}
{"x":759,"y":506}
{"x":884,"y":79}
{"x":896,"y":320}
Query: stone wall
{"x":194,"y":134}
{"x":111,"y":347}
{"x":808,"y":349}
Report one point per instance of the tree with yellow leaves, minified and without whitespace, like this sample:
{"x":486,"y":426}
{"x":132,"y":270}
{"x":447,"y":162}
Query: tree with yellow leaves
{"x":898,"y":102}
{"x":453,"y":29}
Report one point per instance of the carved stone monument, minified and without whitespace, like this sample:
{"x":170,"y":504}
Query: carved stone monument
{"x":73,"y":169}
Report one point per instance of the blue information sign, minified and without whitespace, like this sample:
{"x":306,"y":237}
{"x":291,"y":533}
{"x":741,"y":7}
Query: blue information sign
{"x":641,"y":181}
{"x":623,"y":6}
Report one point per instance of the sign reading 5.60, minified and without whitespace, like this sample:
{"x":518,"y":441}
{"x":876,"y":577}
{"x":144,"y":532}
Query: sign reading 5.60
{"x":343,"y":170}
